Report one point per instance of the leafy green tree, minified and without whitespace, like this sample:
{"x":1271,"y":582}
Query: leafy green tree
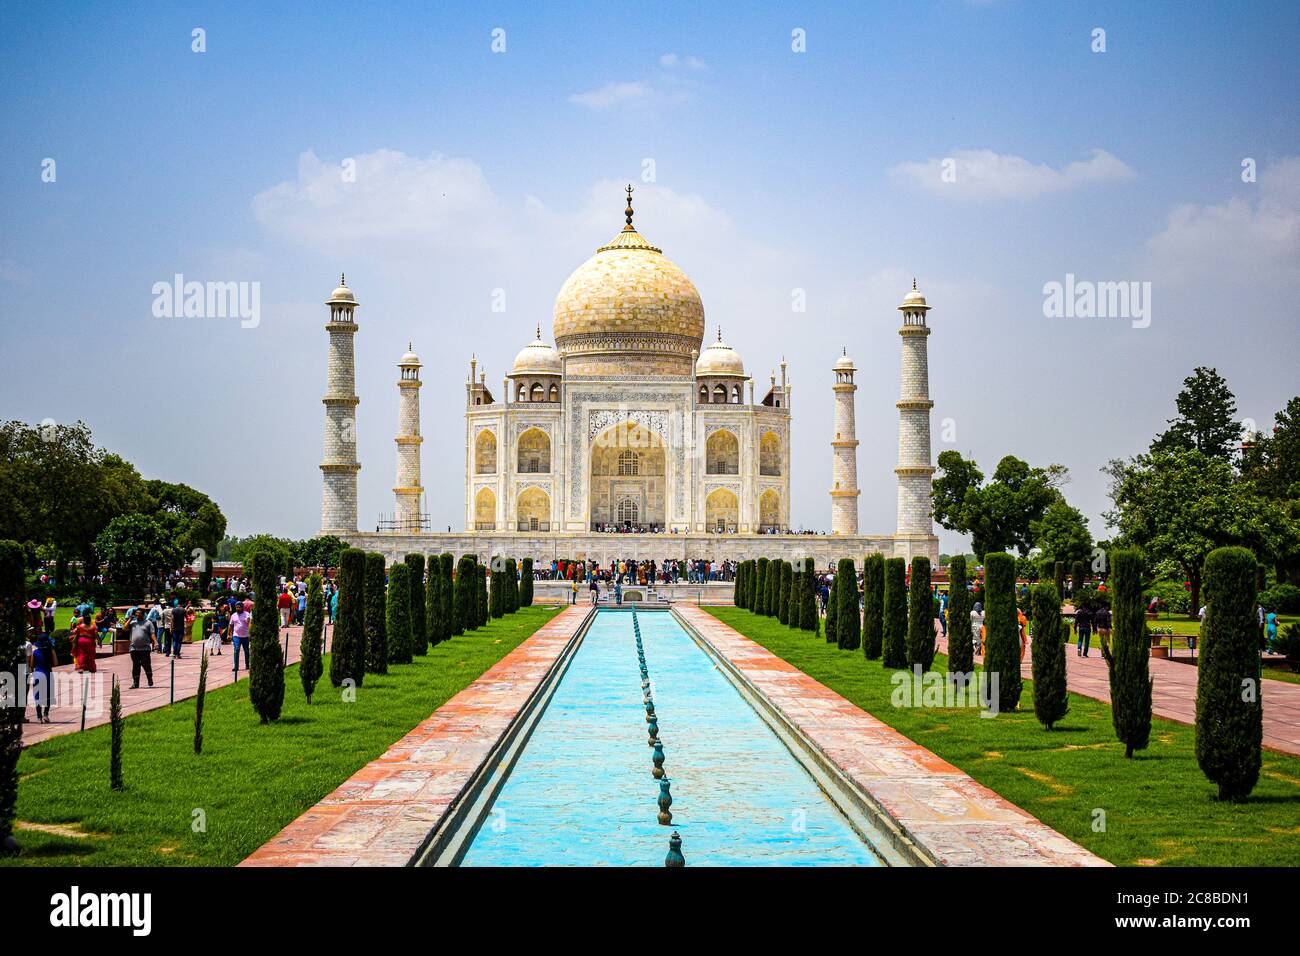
{"x":1001,"y":628}
{"x":266,"y":662}
{"x":397,"y":620}
{"x":419,"y":629}
{"x":1061,"y":535}
{"x":1207,"y":418}
{"x":1128,"y":663}
{"x":347,"y":660}
{"x":1051,"y":700}
{"x":1229,"y":711}
{"x":13,"y":636}
{"x":920,"y":616}
{"x":961,"y":642}
{"x":873,"y":606}
{"x":1271,"y":463}
{"x":1002,"y":514}
{"x":281,"y":552}
{"x":895,"y":609}
{"x":526,"y":583}
{"x":319,"y":552}
{"x":135,"y":546}
{"x":310,"y":663}
{"x":378,"y":653}
{"x":848,"y":624}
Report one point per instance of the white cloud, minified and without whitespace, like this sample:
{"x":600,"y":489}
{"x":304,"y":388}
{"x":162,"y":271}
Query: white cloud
{"x":670,"y":61}
{"x":612,"y":94}
{"x":1255,"y":238}
{"x":673,"y":83}
{"x":984,"y":174}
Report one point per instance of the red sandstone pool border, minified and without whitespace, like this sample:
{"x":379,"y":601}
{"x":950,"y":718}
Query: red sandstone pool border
{"x":947,"y":815}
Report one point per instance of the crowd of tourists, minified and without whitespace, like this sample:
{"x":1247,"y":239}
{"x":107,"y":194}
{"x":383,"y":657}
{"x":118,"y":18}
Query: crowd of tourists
{"x":643,"y":573}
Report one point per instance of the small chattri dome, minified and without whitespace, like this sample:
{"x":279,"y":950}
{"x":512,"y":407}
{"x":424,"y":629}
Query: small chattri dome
{"x":844,"y":363}
{"x":343,"y":293}
{"x":914,"y":299}
{"x":719,"y":358}
{"x":537,"y":358}
{"x":410,"y":358}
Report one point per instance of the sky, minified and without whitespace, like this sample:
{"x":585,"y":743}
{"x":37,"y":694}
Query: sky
{"x":453,"y":157}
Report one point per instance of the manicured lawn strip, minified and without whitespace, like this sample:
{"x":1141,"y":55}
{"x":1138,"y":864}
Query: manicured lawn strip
{"x":1159,"y":808}
{"x":251,"y":780}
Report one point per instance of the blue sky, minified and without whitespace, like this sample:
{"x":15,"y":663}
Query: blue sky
{"x":774,"y":170}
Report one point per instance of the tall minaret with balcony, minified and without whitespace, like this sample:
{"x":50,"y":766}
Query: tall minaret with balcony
{"x":844,"y":449}
{"x":408,"y":489}
{"x":915,"y":534}
{"x":340,"y":466}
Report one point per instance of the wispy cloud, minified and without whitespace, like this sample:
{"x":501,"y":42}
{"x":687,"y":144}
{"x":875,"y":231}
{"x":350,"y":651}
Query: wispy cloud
{"x":672,"y":83}
{"x":612,"y":94}
{"x":983,"y":174}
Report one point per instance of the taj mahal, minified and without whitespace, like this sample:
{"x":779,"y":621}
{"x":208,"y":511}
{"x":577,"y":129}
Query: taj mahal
{"x":630,"y":437}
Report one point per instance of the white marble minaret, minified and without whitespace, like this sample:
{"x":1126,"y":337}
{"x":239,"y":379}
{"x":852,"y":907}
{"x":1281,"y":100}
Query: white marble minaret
{"x":408,"y":490}
{"x":915,"y":471}
{"x":340,"y":466}
{"x":844,"y":463}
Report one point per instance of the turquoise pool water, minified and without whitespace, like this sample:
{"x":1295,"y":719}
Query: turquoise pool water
{"x":582,"y":793}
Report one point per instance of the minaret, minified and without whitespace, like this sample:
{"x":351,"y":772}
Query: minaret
{"x":408,"y":490}
{"x":844,"y":464}
{"x":915,"y":471}
{"x":340,"y":466}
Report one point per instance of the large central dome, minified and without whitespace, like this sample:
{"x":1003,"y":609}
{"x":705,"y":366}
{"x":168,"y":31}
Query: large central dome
{"x":628,"y":308}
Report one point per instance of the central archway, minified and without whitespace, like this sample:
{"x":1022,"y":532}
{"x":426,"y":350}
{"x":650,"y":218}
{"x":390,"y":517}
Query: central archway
{"x":628,"y":479}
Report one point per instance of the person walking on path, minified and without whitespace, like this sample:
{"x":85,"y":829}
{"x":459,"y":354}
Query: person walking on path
{"x":1101,"y":624}
{"x":1270,"y":623}
{"x":85,"y":638}
{"x":178,"y":630}
{"x":285,"y":604}
{"x":42,"y":658}
{"x":239,"y":622}
{"x":141,"y":637}
{"x":1083,"y":631}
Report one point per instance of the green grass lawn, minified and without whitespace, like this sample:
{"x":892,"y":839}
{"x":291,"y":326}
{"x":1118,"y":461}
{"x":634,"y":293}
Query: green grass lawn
{"x":1159,"y":808}
{"x":251,"y":780}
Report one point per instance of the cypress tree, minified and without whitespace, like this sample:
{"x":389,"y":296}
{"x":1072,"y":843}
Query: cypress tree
{"x":349,"y":654}
{"x":747,"y":592}
{"x":466,"y":595}
{"x":795,"y":610}
{"x":1001,"y":628}
{"x":378,"y":653}
{"x":873,"y":606}
{"x":809,"y":619}
{"x":1076,"y":579}
{"x":497,"y":595}
{"x":397,"y":616}
{"x":737,"y":585}
{"x":1051,"y":700}
{"x":961,"y":642}
{"x":848,"y":623}
{"x":266,"y":662}
{"x":447,"y":594}
{"x":783,"y":592}
{"x":512,"y":586}
{"x":894,"y":630}
{"x":920,"y":616}
{"x":480,"y":575}
{"x":198,"y":700}
{"x":433,"y":619}
{"x":116,"y":727}
{"x":13,"y":635}
{"x":1129,"y":660}
{"x":774,"y":587}
{"x":1229,"y":719}
{"x":760,"y":597}
{"x":419,"y":627}
{"x":313,"y":630}
{"x":833,"y":610}
{"x":1058,"y":578}
{"x":526,"y":583}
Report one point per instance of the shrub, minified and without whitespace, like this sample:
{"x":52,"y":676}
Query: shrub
{"x":1051,"y":700}
{"x":784,"y":576}
{"x":1285,"y":598}
{"x":920,"y":616}
{"x":347,"y":661}
{"x":313,"y":632}
{"x":266,"y":662}
{"x":447,"y":595}
{"x":848,"y":622}
{"x":378,"y":653}
{"x":961,"y":649}
{"x":198,"y":702}
{"x":1288,"y":643}
{"x":809,"y":619}
{"x":433,"y":619}
{"x":1001,"y":628}
{"x":419,"y":640}
{"x":1172,"y":595}
{"x":512,"y":586}
{"x":1229,"y":721}
{"x":13,"y":635}
{"x":894,"y":598}
{"x":1077,"y":577}
{"x":1128,"y":662}
{"x":833,"y":611}
{"x":397,"y":619}
{"x":873,"y":606}
{"x":526,"y":584}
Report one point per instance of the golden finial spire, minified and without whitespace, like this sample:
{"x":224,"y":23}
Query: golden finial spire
{"x":913,"y":283}
{"x":719,"y":332}
{"x":343,"y":279}
{"x":627,"y":213}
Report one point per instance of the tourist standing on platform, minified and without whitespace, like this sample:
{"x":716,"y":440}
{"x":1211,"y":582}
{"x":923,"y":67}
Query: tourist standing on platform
{"x":48,"y":611}
{"x":595,"y":590}
{"x":141,"y":633}
{"x":84,"y":637}
{"x":239,"y":622}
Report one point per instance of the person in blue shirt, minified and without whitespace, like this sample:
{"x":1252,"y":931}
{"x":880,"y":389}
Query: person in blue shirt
{"x":1270,"y":627}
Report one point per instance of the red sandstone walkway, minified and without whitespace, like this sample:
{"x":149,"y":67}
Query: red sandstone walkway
{"x":66,"y":715}
{"x":953,"y":819}
{"x":382,"y":815}
{"x":1173,"y":695}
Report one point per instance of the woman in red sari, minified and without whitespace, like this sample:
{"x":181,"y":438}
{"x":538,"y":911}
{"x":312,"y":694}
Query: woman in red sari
{"x":85,"y":637}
